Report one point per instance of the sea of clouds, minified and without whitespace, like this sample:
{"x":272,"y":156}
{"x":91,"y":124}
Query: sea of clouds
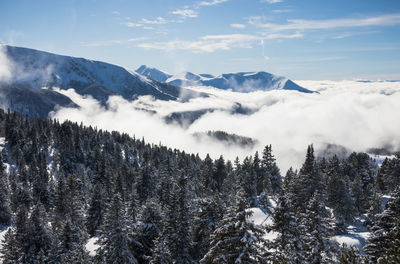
{"x":352,"y":114}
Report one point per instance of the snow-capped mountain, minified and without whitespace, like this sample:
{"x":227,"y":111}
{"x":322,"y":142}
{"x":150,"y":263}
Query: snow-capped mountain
{"x":153,"y":73}
{"x":32,"y":70}
{"x":38,"y":69}
{"x":239,"y":82}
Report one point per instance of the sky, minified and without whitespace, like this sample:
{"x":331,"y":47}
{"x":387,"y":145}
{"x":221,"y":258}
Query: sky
{"x":302,"y":40}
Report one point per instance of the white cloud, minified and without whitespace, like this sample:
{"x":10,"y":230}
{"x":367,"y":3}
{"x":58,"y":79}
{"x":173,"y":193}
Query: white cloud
{"x":212,"y":43}
{"x":280,"y":11}
{"x":282,"y":36}
{"x":238,"y":25}
{"x":208,"y":43}
{"x":6,"y":65}
{"x":116,"y":13}
{"x":271,"y":1}
{"x":210,"y":3}
{"x":348,"y":113}
{"x":105,"y":43}
{"x":185,"y":13}
{"x":302,"y":24}
{"x":133,"y":25}
{"x":157,"y":21}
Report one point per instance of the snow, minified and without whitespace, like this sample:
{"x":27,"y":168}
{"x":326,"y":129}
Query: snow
{"x":2,"y":142}
{"x":380,"y":158}
{"x":91,"y":246}
{"x":2,"y":234}
{"x":258,"y":217}
{"x":356,"y":234}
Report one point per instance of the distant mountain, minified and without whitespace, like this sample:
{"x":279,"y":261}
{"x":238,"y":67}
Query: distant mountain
{"x":153,"y":73}
{"x":36,"y":69}
{"x":239,"y":82}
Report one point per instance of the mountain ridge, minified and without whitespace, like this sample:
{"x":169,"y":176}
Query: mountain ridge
{"x":238,"y":82}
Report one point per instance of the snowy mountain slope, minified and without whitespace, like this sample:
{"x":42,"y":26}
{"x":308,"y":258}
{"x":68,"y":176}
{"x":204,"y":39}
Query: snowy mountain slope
{"x":153,"y":73}
{"x":239,"y":82}
{"x":32,"y":102}
{"x":37,"y":69}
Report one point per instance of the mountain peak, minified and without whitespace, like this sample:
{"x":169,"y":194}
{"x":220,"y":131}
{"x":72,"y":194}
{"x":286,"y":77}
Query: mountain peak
{"x":153,"y":73}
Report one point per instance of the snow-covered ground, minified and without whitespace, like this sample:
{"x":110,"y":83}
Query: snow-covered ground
{"x":356,"y":234}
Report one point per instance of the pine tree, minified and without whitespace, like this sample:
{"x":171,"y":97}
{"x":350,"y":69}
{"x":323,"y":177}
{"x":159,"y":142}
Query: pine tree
{"x":271,"y":171}
{"x":114,"y":236}
{"x":205,"y":221}
{"x":382,"y":231}
{"x":237,"y":240}
{"x":319,"y":246}
{"x":148,"y":229}
{"x":338,"y":195}
{"x":290,"y":243}
{"x":95,"y":211}
{"x":5,"y":211}
{"x":220,"y":173}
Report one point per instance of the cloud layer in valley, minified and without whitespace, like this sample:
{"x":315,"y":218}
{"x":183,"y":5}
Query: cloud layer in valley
{"x":356,"y":115}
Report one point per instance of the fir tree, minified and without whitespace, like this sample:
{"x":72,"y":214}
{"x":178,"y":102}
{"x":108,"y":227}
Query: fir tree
{"x":5,"y":211}
{"x":113,"y":240}
{"x":237,"y":240}
{"x":382,"y":231}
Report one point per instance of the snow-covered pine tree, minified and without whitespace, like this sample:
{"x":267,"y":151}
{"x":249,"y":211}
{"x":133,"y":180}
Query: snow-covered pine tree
{"x":383,"y":231}
{"x":5,"y":211}
{"x":271,"y":171}
{"x":289,"y":246}
{"x":320,"y":248}
{"x":114,"y":239}
{"x":208,"y":214}
{"x":237,"y":240}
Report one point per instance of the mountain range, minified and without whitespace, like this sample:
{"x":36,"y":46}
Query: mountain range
{"x":238,"y":82}
{"x":35,"y":73}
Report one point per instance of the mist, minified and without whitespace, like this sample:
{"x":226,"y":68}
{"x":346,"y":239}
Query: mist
{"x":355,"y":115}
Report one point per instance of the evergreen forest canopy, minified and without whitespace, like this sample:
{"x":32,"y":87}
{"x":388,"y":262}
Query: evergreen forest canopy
{"x":62,"y":184}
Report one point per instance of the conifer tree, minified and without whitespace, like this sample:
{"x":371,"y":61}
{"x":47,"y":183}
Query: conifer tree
{"x":237,"y":240}
{"x":5,"y":211}
{"x":382,"y":231}
{"x":319,"y":246}
{"x":271,"y":171}
{"x":113,"y":240}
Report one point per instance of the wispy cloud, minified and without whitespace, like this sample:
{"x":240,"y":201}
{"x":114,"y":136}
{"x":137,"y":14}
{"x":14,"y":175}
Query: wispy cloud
{"x":133,"y":25}
{"x":205,"y":44}
{"x":145,"y":23}
{"x":271,"y":1}
{"x":212,"y":43}
{"x":280,"y":11}
{"x":282,"y":36}
{"x":185,"y":13}
{"x":113,"y":42}
{"x":210,"y":3}
{"x":238,"y":25}
{"x":302,"y":24}
{"x":156,"y":21}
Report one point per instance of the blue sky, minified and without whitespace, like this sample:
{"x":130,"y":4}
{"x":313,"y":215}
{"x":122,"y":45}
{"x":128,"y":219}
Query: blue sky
{"x":307,"y":39}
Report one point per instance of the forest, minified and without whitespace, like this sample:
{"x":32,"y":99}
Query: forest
{"x":63,"y":184}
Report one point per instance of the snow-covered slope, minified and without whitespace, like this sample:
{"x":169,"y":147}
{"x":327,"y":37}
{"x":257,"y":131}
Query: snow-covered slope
{"x":37,"y":69}
{"x":239,"y":82}
{"x":153,"y":73}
